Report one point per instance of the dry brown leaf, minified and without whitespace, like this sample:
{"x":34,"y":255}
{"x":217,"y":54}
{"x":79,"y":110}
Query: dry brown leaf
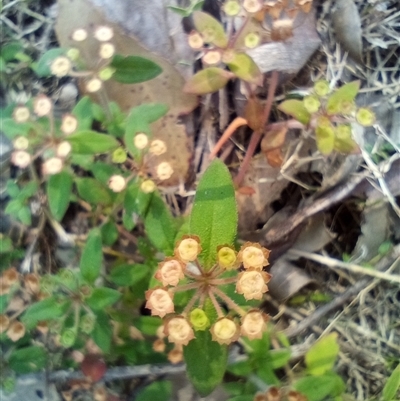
{"x":166,"y":88}
{"x":271,"y":145}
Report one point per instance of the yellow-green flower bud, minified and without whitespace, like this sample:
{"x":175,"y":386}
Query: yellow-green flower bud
{"x":321,"y":88}
{"x":311,"y":103}
{"x":199,"y":320}
{"x":119,"y":156}
{"x":365,"y":117}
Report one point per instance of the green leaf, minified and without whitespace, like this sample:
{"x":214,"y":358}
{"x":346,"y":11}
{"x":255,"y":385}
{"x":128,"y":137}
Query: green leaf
{"x":136,"y":201}
{"x":28,"y":359}
{"x":128,"y":274}
{"x":93,"y":191}
{"x":42,"y":67}
{"x":392,"y":385}
{"x":10,"y":50}
{"x":325,"y":136}
{"x":321,"y":357}
{"x":317,"y":388}
{"x":4,"y":300}
{"x":91,"y":142}
{"x":148,"y":325}
{"x":134,"y":69}
{"x":160,"y":390}
{"x":150,"y":112}
{"x":241,"y":368}
{"x":214,"y":215}
{"x":207,"y":81}
{"x":47,"y":309}
{"x":244,"y":67}
{"x":344,"y":95}
{"x":279,"y":357}
{"x":160,"y":225}
{"x":92,"y":256}
{"x":59,"y":189}
{"x":109,"y":233}
{"x":12,"y":129}
{"x":211,"y":29}
{"x":24,"y":215}
{"x":102,"y":332}
{"x":296,"y":109}
{"x":103,"y":297}
{"x":83,"y":111}
{"x":6,"y":245}
{"x":206,"y":362}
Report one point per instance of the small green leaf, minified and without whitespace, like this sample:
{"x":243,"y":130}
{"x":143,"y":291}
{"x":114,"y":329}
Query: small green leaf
{"x":93,"y":191}
{"x":92,"y":256}
{"x":103,"y":297}
{"x":12,"y":129}
{"x":134,"y":69}
{"x":214,"y":215}
{"x":241,"y":368}
{"x":6,"y":244}
{"x":279,"y":357}
{"x":10,"y":50}
{"x":83,"y":111}
{"x":206,"y":362}
{"x":317,"y":388}
{"x":207,"y":81}
{"x":109,"y":233}
{"x":321,"y":357}
{"x":47,"y":309}
{"x":102,"y":332}
{"x":160,"y":390}
{"x":211,"y":29}
{"x":28,"y":359}
{"x":150,"y":112}
{"x":344,"y":95}
{"x":147,"y":324}
{"x":24,"y":215}
{"x":91,"y":142}
{"x":42,"y":67}
{"x":160,"y":225}
{"x":392,"y":385}
{"x":136,"y":201}
{"x":296,"y":109}
{"x":59,"y":189}
{"x":128,"y":274}
{"x":244,"y":67}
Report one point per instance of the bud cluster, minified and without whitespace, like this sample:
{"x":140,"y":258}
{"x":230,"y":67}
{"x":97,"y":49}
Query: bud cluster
{"x":243,"y":268}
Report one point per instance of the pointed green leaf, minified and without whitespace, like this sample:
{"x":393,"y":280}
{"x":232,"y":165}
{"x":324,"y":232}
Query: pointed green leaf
{"x":102,"y":332}
{"x":103,"y":297}
{"x":59,"y":189}
{"x":211,"y":29}
{"x":91,"y":142}
{"x":321,"y":357}
{"x":92,"y":256}
{"x":244,"y":67}
{"x":344,"y":95}
{"x":207,"y":81}
{"x":320,"y":387}
{"x":157,"y":391}
{"x":296,"y":109}
{"x":206,"y":362}
{"x":134,"y":69}
{"x":214,"y":215}
{"x":109,"y":233}
{"x":28,"y":359}
{"x":93,"y":191}
{"x":392,"y":385}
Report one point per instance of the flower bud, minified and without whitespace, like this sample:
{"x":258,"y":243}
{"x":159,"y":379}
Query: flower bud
{"x":20,"y":158}
{"x":52,"y":166}
{"x":195,"y":40}
{"x":148,"y":186}
{"x":106,"y":51}
{"x":68,"y":338}
{"x":252,"y":40}
{"x":170,"y":272}
{"x":199,"y":320}
{"x":61,"y":66}
{"x":79,"y":35}
{"x":253,"y":324}
{"x":42,"y":105}
{"x":69,"y":124}
{"x":321,"y":87}
{"x":87,"y":323}
{"x":252,"y":284}
{"x":225,"y":331}
{"x":21,"y":143}
{"x":164,"y":171}
{"x":103,"y":33}
{"x":157,"y":147}
{"x":212,"y":57}
{"x":117,"y":183}
{"x":179,"y":330}
{"x":252,"y":6}
{"x":93,"y":85}
{"x":312,"y":104}
{"x":175,"y":355}
{"x":159,"y":345}
{"x":73,"y":54}
{"x":63,"y":149}
{"x":10,"y":276}
{"x":231,"y":8}
{"x":188,"y":248}
{"x":21,"y":114}
{"x":140,"y":141}
{"x":16,"y":331}
{"x":227,"y":258}
{"x":106,"y":73}
{"x":365,"y":117}
{"x":32,"y":283}
{"x":159,"y":301}
{"x":253,"y":255}
{"x":4,"y":323}
{"x":119,"y":156}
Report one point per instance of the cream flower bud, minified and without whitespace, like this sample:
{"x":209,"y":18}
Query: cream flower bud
{"x":141,"y":140}
{"x":252,"y":284}
{"x":61,"y":66}
{"x":164,"y":171}
{"x":106,"y":50}
{"x":93,"y":85}
{"x":252,"y":6}
{"x":253,"y":255}
{"x":69,"y":124}
{"x":63,"y":149}
{"x":188,"y":248}
{"x":159,"y":345}
{"x":20,"y":158}
{"x":253,"y":324}
{"x":21,"y":143}
{"x":225,"y":331}
{"x":117,"y":183}
{"x":175,"y":355}
{"x":195,"y":40}
{"x":79,"y":35}
{"x":212,"y":57}
{"x":179,"y":330}
{"x":10,"y":276}
{"x":32,"y":283}
{"x":231,"y":8}
{"x":252,"y":40}
{"x":4,"y":323}
{"x":157,"y":147}
{"x":159,"y":301}
{"x":52,"y":166}
{"x":21,"y":114}
{"x":103,"y":33}
{"x":16,"y":331}
{"x":42,"y":105}
{"x":170,"y":272}
{"x":148,"y":186}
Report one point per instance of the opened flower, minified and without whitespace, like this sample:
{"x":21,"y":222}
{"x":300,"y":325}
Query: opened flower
{"x":159,"y":301}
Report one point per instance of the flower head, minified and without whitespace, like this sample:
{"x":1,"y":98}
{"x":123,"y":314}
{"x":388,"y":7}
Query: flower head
{"x":159,"y":301}
{"x":21,"y":143}
{"x":164,"y":171}
{"x":93,"y":85}
{"x":252,"y":6}
{"x":52,"y":166}
{"x":16,"y":331}
{"x":61,"y":66}
{"x":195,"y":40}
{"x":179,"y":330}
{"x":199,"y":319}
{"x":20,"y":158}
{"x":32,"y":283}
{"x":253,"y":255}
{"x":79,"y":35}
{"x":157,"y":147}
{"x":170,"y":272}
{"x":10,"y":276}
{"x":63,"y":149}
{"x":21,"y":114}
{"x":106,"y":50}
{"x":141,"y":140}
{"x":117,"y":183}
{"x":212,"y":57}
{"x":103,"y":33}
{"x":231,"y":8}
{"x":69,"y":124}
{"x":252,"y":284}
{"x":148,"y":186}
{"x":225,"y":331}
{"x":4,"y":323}
{"x":42,"y":105}
{"x":188,"y":248}
{"x":227,"y":257}
{"x":253,"y":324}
{"x":175,"y":355}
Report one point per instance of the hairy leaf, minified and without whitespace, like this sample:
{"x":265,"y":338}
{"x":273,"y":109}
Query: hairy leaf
{"x":59,"y":189}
